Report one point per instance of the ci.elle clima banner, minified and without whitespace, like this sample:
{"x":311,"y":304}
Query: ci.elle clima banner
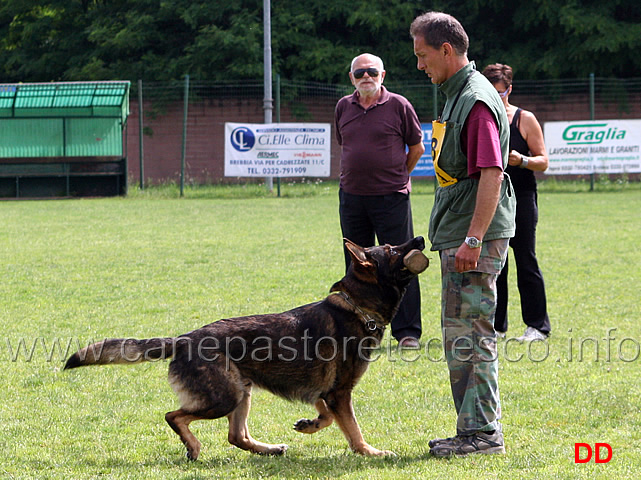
{"x":599,"y":146}
{"x":277,"y":149}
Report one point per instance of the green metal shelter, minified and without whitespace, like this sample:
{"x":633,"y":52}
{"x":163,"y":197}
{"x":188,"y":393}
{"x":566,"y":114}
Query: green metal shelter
{"x":63,"y":139}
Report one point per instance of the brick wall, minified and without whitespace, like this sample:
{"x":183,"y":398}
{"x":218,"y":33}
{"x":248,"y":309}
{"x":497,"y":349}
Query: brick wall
{"x":205,"y":148}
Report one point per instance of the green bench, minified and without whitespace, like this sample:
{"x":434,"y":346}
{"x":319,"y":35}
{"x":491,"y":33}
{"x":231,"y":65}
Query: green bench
{"x":30,"y":177}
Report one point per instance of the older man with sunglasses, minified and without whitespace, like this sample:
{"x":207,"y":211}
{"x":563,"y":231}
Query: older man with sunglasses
{"x":381,"y":142}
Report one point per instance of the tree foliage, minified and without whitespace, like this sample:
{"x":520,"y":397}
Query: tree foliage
{"x":158,"y":40}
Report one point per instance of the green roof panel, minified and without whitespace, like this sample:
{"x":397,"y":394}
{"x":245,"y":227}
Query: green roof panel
{"x":65,"y":99}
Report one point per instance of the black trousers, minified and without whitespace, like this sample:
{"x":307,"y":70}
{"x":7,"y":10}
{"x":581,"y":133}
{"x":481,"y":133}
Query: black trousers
{"x":387,"y":218}
{"x":528,"y":274}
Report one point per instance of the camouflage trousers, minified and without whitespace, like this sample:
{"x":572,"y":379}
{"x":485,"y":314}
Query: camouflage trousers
{"x":467,"y":319}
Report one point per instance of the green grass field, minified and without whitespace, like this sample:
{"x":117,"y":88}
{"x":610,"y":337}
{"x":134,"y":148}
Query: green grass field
{"x":153,"y":264}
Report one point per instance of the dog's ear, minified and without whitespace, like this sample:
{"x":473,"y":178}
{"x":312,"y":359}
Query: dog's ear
{"x":357,"y":253}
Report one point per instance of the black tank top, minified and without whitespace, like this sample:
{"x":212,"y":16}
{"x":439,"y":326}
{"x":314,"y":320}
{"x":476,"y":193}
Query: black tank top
{"x":523,"y":179}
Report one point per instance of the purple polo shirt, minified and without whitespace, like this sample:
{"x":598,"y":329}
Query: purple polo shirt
{"x":480,"y":140}
{"x":373,"y":141}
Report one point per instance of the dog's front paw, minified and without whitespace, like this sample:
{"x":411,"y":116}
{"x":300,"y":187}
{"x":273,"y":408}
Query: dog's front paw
{"x":370,"y":451}
{"x":275,"y":450}
{"x":387,"y":453}
{"x":305,"y":425}
{"x":280,"y":449}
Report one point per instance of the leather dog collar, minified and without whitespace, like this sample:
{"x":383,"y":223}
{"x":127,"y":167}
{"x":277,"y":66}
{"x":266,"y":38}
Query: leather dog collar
{"x":370,"y":323}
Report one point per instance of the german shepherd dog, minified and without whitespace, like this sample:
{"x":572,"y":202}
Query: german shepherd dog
{"x":315,"y":353}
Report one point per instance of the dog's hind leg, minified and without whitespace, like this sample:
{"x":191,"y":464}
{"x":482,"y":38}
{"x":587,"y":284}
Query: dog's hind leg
{"x":179,"y":421}
{"x":204,"y":394}
{"x":324,"y":419}
{"x":239,"y":431}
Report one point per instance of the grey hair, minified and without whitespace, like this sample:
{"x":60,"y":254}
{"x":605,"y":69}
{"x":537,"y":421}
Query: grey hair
{"x":374,"y":57}
{"x":437,"y":28}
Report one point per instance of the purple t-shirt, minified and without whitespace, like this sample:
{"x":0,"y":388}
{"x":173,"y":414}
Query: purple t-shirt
{"x":374,"y":158}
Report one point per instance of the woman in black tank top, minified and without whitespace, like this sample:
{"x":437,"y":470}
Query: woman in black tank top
{"x":527,"y":155}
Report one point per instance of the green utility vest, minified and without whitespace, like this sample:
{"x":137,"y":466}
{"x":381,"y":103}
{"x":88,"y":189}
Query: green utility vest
{"x":454,"y":204}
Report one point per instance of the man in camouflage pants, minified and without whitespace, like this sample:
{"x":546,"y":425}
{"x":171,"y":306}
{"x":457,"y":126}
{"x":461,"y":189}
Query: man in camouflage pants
{"x":468,"y":306}
{"x":470,"y":225}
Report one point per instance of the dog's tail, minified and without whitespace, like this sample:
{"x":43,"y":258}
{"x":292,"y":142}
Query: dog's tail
{"x":123,"y":350}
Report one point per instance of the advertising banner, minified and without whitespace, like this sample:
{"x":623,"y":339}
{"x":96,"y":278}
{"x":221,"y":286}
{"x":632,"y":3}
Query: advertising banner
{"x":600,"y":146}
{"x":277,"y":149}
{"x":425,"y":167}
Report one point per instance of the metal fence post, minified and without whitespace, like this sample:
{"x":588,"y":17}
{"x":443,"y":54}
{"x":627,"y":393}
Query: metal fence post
{"x":277,"y":105}
{"x":184,"y":144}
{"x":140,"y":136}
{"x":267,"y":72}
{"x":592,"y":118}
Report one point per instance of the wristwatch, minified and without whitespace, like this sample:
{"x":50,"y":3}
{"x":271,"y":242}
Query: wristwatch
{"x":473,"y":242}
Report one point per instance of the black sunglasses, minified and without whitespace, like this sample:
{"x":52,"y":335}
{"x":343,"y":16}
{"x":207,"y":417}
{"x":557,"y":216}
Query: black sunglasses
{"x":372,"y":72}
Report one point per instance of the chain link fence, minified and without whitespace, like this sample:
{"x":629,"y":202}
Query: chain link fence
{"x":169,"y":109}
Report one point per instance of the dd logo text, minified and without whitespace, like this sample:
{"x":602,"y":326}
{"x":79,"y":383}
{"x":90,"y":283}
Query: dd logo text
{"x":583,"y":453}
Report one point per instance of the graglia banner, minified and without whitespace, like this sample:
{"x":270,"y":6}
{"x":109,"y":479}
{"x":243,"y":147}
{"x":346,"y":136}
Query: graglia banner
{"x":599,"y":146}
